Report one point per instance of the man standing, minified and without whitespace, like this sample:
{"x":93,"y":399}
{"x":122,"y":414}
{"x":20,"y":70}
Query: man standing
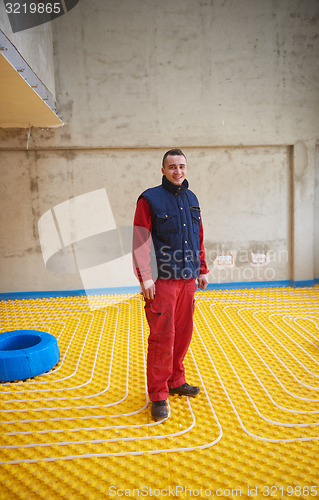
{"x":170,"y":213}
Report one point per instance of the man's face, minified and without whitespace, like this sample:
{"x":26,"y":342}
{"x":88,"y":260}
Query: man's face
{"x":175,"y":169}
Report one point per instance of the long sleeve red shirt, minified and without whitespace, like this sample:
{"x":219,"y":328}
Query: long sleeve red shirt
{"x":142,"y":239}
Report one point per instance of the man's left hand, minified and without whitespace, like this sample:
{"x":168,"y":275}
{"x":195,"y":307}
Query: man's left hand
{"x":202,"y":281}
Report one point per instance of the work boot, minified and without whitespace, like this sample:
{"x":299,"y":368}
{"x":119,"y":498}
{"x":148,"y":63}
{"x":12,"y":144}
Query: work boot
{"x":185,"y":390}
{"x":159,"y":410}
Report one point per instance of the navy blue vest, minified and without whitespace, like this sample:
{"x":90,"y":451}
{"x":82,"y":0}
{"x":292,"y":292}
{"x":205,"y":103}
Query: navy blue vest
{"x":176,"y":219}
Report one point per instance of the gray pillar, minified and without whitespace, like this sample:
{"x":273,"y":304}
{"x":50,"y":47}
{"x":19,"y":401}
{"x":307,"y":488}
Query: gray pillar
{"x":303,"y":213}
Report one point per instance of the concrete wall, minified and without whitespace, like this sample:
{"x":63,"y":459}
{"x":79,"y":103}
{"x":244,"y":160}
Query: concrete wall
{"x":243,"y":193}
{"x":160,"y":73}
{"x":36,"y":47}
{"x":233,"y":83}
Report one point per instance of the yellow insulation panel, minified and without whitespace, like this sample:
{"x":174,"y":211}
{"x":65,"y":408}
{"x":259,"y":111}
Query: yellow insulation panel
{"x":84,"y":429}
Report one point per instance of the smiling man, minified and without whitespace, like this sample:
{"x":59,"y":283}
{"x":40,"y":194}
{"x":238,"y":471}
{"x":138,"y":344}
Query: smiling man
{"x":171,"y":214}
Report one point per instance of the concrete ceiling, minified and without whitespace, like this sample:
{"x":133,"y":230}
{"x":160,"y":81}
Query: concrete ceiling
{"x":20,"y":105}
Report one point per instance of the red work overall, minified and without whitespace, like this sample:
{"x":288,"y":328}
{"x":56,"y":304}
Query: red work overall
{"x":170,"y":318}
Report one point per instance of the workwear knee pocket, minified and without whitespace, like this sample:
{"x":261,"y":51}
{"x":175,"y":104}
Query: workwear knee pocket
{"x":160,"y":316}
{"x":161,"y":339}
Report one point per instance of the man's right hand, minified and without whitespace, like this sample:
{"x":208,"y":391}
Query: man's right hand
{"x":148,"y":289}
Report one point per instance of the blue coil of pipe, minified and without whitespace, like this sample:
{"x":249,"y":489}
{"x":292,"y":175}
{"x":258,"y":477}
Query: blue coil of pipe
{"x":26,"y":353}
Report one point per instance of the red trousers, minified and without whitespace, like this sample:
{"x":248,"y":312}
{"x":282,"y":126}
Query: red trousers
{"x":170,"y":318}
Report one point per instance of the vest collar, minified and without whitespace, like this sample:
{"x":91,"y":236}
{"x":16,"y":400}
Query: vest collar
{"x":174,"y":189}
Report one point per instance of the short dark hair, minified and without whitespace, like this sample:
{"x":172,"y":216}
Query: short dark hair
{"x":173,"y":152}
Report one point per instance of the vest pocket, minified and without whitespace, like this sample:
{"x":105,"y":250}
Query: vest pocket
{"x":196,"y":218}
{"x":166,"y":224}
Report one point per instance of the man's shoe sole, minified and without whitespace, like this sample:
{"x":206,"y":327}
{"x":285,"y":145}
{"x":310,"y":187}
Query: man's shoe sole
{"x":159,"y":417}
{"x":181,"y":393}
{"x":156,"y":419}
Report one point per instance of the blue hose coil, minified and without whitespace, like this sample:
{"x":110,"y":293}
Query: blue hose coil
{"x":26,"y":353}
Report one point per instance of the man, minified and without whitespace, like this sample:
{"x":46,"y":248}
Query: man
{"x":170,"y":213}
